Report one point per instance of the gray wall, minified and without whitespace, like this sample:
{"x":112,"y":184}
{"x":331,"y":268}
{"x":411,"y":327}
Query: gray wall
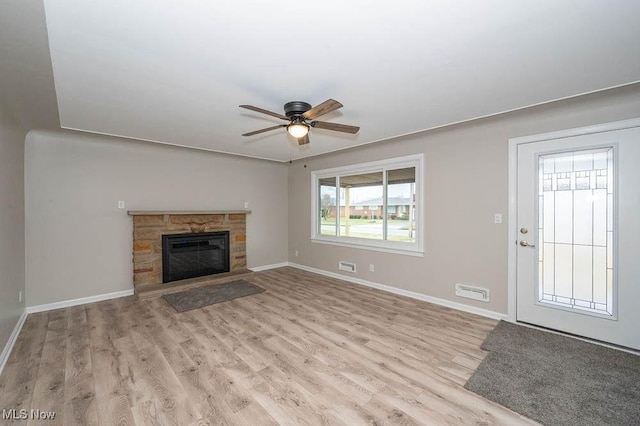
{"x":11,"y":227}
{"x":27,"y":91}
{"x":78,"y":243}
{"x":27,"y":100}
{"x":465,"y":185}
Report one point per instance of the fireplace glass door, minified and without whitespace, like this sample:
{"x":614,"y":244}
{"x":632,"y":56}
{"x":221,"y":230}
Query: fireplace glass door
{"x":194,"y":255}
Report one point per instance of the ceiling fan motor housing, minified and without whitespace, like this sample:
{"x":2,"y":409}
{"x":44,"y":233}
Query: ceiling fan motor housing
{"x":296,"y":108}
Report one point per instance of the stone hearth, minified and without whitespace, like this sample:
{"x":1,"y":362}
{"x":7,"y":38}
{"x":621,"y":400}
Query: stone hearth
{"x":150,"y":226}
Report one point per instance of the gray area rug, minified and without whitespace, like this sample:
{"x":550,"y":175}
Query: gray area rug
{"x":211,"y":294}
{"x":557,"y":380}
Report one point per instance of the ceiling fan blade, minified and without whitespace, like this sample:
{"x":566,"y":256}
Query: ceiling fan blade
{"x":264,"y":130}
{"x":322,"y":109}
{"x":264,"y":111}
{"x":304,"y":140}
{"x":344,"y":128}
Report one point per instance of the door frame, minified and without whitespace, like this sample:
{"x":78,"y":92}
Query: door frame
{"x":512,"y":217}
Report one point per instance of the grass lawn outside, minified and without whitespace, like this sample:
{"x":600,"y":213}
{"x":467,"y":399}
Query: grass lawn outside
{"x":397,"y":230}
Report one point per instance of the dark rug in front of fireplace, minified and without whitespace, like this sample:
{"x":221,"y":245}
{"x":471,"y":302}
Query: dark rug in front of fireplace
{"x":211,"y":294}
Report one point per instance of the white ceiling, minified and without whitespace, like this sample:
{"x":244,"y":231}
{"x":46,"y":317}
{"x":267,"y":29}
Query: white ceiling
{"x":175,"y":72}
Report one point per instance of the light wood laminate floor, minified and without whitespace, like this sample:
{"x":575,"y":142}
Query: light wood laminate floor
{"x":310,"y":350}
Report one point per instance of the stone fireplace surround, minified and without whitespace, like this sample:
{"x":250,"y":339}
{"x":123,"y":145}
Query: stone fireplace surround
{"x":149,"y":226}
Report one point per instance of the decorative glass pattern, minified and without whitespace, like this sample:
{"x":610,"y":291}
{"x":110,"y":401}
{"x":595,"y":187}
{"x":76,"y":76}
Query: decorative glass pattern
{"x":575,"y":235}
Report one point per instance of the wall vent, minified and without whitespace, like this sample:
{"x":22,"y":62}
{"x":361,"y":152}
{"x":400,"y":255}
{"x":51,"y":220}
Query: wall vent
{"x":347,"y":266}
{"x":471,"y":292}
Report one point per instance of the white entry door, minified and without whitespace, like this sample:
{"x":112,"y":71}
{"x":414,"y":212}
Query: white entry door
{"x":578,"y":235}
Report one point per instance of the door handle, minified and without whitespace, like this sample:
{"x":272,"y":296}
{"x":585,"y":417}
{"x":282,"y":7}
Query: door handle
{"x":523,"y":243}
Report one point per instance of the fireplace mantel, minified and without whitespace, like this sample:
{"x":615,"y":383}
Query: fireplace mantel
{"x":183,"y":212}
{"x":150,"y":225}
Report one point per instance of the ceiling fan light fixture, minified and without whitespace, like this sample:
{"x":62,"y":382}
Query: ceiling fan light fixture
{"x":300,"y":115}
{"x":298,"y":129}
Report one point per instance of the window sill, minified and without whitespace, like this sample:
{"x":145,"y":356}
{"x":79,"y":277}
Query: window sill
{"x":364,"y":246}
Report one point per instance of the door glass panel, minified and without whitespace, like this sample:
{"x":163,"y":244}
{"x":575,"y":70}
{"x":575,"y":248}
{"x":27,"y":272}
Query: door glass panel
{"x":575,"y":220}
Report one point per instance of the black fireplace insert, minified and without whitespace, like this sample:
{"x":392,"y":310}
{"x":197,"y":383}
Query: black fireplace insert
{"x":194,"y":255}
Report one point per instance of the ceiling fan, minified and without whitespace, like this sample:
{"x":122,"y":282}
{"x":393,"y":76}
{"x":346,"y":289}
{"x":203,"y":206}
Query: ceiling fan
{"x":300,"y":116}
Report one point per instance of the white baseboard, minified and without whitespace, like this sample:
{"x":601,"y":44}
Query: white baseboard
{"x":267,"y":267}
{"x":12,"y":340}
{"x":419,"y":296}
{"x":81,"y":301}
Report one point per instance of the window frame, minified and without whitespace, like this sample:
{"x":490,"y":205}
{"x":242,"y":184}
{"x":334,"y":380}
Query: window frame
{"x":415,"y":248}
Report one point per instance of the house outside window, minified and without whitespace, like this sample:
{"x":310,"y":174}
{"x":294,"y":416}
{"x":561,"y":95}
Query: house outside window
{"x":379,"y":205}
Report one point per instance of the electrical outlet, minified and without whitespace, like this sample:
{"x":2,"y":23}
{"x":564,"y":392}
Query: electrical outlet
{"x":296,"y":253}
{"x":246,"y":204}
{"x":372,"y":268}
{"x":497,"y":218}
{"x":121,"y":204}
{"x":20,"y":296}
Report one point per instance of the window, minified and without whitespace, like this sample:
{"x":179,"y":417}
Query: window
{"x":392,"y":191}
